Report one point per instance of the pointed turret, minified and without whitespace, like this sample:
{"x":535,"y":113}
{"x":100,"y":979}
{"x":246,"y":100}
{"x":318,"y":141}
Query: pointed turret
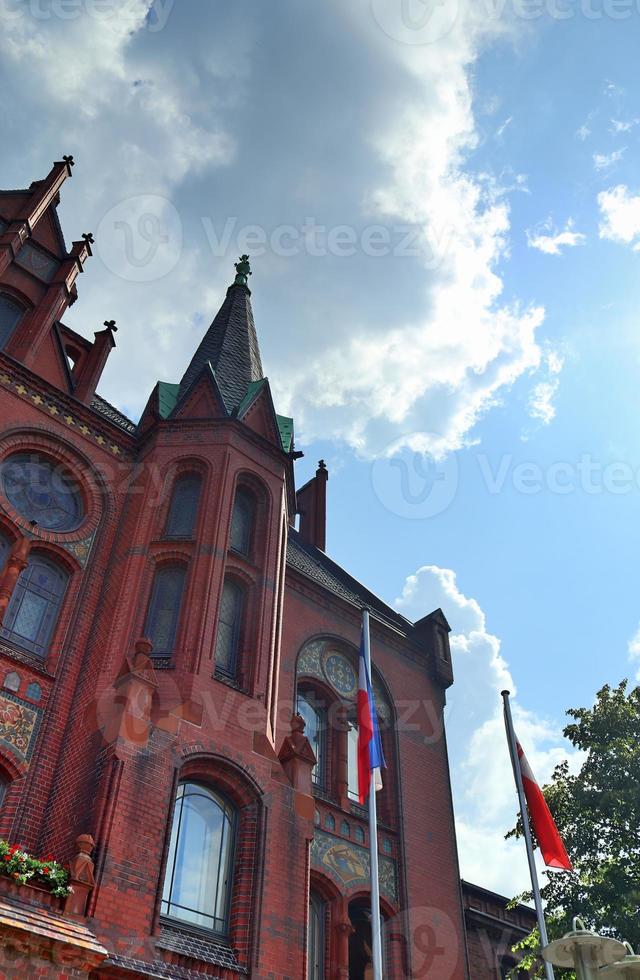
{"x":230,"y":345}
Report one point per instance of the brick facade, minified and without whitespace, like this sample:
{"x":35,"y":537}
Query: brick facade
{"x":118,"y":727}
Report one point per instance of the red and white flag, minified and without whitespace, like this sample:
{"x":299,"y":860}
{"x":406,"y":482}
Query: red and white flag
{"x":549,"y":839}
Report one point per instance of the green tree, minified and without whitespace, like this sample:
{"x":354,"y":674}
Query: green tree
{"x":597,"y":812}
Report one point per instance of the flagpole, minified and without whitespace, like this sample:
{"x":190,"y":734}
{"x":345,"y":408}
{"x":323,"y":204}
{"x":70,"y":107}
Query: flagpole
{"x":376,"y":932}
{"x":537,"y":898}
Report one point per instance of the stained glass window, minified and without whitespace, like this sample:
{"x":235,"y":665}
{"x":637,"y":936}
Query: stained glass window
{"x":34,"y":691}
{"x":183,"y":509}
{"x":198,"y":879}
{"x":229,"y":629}
{"x":163,"y":614}
{"x":316,"y":939}
{"x":314,"y":716}
{"x":242,"y":522}
{"x":41,"y":491}
{"x":33,"y":610}
{"x":10,"y":314}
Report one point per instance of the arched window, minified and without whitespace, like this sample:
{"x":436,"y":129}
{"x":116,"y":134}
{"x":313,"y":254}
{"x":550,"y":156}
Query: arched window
{"x":163,"y":614}
{"x":10,"y":313}
{"x":5,"y":548}
{"x":315,"y":718}
{"x":183,"y":509}
{"x":4,"y":786}
{"x":199,"y":876}
{"x":242,"y":522}
{"x":316,"y":939}
{"x":229,"y":628}
{"x":34,"y":607}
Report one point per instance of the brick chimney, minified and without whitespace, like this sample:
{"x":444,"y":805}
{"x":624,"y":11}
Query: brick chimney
{"x":312,"y":507}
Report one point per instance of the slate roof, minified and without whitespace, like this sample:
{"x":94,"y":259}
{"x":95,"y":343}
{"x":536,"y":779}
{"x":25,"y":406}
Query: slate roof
{"x":49,"y":925}
{"x":310,"y":561}
{"x":230,"y":345}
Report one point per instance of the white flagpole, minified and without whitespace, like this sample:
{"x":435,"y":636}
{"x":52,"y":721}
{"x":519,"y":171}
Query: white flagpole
{"x":376,"y":931}
{"x":517,"y":772}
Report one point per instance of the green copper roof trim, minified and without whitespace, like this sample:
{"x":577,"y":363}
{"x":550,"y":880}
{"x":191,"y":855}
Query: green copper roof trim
{"x":252,"y":390}
{"x":285,"y":425}
{"x":167,"y":398}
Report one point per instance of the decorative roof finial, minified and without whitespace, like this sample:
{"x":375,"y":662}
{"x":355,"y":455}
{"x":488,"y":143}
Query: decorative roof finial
{"x":243,"y":271}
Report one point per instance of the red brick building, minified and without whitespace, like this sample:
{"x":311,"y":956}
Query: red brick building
{"x":163,"y":628}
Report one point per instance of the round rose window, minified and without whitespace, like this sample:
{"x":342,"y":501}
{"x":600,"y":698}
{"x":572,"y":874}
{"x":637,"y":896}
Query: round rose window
{"x":42,"y":491}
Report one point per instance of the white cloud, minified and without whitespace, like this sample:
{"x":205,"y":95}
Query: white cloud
{"x":540,"y":404}
{"x":549,"y":240}
{"x":483,"y":785}
{"x":603,"y":161}
{"x":620,"y":214}
{"x":583,"y":132}
{"x":419,"y":340}
{"x":622,"y":125}
{"x":501,"y":129}
{"x":634,"y":650}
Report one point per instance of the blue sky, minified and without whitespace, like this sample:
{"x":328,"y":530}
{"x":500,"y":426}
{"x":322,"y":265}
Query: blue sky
{"x":442,"y":205}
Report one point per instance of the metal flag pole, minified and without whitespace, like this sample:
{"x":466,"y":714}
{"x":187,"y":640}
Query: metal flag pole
{"x":513,"y":750}
{"x":376,"y":932}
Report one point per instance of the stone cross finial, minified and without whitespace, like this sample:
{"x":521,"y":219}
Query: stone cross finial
{"x":68,"y":159}
{"x":88,"y":237}
{"x":243,"y":271}
{"x":111,"y":325}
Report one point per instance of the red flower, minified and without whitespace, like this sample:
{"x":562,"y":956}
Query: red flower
{"x":7,"y":857}
{"x":45,"y":871}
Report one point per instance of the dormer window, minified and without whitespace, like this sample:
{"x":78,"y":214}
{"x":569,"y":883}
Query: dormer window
{"x":10,"y":315}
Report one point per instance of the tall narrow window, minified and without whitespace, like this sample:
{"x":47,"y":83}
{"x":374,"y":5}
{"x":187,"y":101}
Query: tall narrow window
{"x":315,"y":729}
{"x":163,"y":615}
{"x":229,"y":629}
{"x":316,"y":938}
{"x":183,"y":509}
{"x":5,"y":548}
{"x":4,"y":786}
{"x":352,"y":760}
{"x":10,"y":314}
{"x":242,"y":522}
{"x":198,"y":879}
{"x":34,"y":607}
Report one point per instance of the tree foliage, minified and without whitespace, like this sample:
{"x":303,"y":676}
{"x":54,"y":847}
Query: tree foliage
{"x":597,"y":811}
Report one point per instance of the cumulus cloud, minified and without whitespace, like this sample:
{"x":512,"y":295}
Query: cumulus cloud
{"x":218,"y":121}
{"x":623,"y":125}
{"x":620,"y":216}
{"x":483,"y":785}
{"x":546,"y":238}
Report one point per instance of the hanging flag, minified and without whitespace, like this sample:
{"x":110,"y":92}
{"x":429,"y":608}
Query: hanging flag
{"x":370,"y":755}
{"x":549,"y":839}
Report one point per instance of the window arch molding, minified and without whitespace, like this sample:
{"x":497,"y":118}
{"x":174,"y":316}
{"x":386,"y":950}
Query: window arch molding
{"x":261,"y":501}
{"x":188,"y":466}
{"x":96,"y":496}
{"x":246,"y":795}
{"x":13,"y":308}
{"x":42,"y":590}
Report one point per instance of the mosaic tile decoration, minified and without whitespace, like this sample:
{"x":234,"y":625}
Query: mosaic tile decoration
{"x":19,"y":723}
{"x":321,"y":659}
{"x":79,"y":549}
{"x":349,"y":865}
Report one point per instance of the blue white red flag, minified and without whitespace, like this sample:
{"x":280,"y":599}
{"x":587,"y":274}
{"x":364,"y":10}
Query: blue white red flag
{"x":370,"y":756}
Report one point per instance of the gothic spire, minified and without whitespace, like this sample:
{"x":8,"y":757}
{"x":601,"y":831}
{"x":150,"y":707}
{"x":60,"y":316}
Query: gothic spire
{"x":230,"y":345}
